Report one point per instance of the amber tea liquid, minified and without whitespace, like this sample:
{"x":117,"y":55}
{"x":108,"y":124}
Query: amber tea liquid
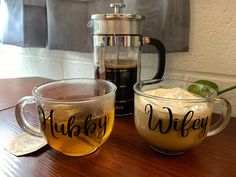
{"x":73,"y":131}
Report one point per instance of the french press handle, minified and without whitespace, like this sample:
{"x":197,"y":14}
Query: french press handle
{"x":162,"y":55}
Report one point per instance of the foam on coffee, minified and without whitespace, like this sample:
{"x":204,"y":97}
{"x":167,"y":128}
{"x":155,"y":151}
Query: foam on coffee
{"x":178,"y":105}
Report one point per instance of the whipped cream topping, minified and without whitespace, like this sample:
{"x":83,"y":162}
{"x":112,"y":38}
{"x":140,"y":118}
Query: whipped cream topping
{"x":174,"y":93}
{"x":177,"y":106}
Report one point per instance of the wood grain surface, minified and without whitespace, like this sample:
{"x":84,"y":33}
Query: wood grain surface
{"x":11,"y":90}
{"x":124,"y":154}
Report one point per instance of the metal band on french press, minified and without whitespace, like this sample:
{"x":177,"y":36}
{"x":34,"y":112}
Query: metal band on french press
{"x":121,"y":41}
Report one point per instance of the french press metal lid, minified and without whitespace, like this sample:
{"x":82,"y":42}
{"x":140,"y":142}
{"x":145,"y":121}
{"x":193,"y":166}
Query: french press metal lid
{"x":117,"y":22}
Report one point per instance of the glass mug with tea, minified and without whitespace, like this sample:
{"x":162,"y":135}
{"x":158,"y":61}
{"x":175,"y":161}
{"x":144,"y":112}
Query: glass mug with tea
{"x":76,"y":116}
{"x":174,"y":120}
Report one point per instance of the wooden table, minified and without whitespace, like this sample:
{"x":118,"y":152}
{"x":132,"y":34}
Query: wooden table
{"x":11,"y":90}
{"x":124,"y":154}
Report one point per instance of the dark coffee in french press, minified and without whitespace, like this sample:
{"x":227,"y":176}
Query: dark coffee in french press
{"x":117,"y":44}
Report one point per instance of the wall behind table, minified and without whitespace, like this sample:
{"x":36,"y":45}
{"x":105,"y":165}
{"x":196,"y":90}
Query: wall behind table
{"x":212,"y":53}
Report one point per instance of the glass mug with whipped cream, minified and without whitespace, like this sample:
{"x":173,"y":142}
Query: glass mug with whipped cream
{"x":172,"y":119}
{"x":76,"y":116}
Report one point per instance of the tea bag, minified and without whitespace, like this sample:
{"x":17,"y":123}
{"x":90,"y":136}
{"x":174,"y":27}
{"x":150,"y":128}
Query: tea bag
{"x":25,"y":144}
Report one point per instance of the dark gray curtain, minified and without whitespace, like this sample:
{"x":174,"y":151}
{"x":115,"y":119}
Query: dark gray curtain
{"x":24,"y":23}
{"x":12,"y":22}
{"x":67,"y":23}
{"x":167,"y":20}
{"x":62,"y":24}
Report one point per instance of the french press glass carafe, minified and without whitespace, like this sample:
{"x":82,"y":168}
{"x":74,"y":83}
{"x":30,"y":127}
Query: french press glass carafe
{"x":117,"y":42}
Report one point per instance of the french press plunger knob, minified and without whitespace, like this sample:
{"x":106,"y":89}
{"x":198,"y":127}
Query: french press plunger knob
{"x":117,"y":7}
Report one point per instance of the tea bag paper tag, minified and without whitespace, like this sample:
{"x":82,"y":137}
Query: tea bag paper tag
{"x":25,"y":144}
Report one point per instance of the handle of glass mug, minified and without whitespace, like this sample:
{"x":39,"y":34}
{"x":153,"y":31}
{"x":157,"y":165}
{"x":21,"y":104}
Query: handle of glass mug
{"x":162,"y":55}
{"x":21,"y":120}
{"x":224,"y":119}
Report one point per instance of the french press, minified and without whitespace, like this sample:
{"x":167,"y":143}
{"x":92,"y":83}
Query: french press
{"x":117,"y":42}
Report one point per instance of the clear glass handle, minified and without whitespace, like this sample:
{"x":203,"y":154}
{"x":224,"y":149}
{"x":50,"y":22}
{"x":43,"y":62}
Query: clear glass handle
{"x":23,"y":123}
{"x":224,"y":119}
